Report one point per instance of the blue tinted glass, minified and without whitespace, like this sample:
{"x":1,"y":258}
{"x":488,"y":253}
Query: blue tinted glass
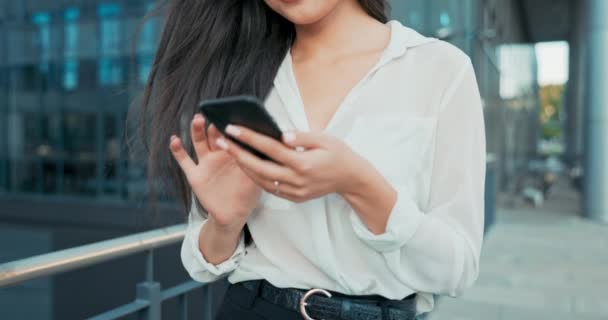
{"x":43,"y":38}
{"x":109,"y":65}
{"x":150,"y":5}
{"x":108,"y":10}
{"x":444,"y":19}
{"x":414,"y":19}
{"x":110,"y":36}
{"x":110,"y":27}
{"x":41,"y":18}
{"x":110,"y":71}
{"x":71,"y":14}
{"x":145,"y":66}
{"x":70,"y":74}
{"x":147,"y":45}
{"x":147,"y":37}
{"x":71,"y":37}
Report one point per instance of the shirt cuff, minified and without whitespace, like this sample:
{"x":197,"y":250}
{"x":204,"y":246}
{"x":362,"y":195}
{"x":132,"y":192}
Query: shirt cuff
{"x":403,"y":221}
{"x":222,"y":268}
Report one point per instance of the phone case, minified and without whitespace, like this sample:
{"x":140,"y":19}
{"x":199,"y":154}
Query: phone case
{"x":245,"y":111}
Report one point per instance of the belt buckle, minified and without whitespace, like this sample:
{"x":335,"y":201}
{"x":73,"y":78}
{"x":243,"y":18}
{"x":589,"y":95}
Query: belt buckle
{"x":307,"y":295}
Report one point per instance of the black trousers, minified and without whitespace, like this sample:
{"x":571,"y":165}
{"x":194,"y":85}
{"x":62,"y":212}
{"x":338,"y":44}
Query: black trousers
{"x":241,"y":303}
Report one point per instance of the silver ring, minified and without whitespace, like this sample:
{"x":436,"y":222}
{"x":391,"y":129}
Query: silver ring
{"x":277,"y":187}
{"x":308,"y":294}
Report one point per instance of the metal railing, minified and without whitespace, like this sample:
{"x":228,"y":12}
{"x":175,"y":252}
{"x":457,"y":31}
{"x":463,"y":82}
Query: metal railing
{"x":149,"y":295}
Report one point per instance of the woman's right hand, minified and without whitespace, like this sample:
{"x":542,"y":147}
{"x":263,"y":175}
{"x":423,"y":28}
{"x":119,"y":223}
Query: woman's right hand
{"x":224,"y":190}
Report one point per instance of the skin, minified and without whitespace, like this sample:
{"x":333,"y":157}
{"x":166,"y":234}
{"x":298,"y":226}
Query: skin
{"x":337,"y":42}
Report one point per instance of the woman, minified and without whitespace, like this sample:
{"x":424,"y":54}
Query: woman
{"x":376,"y":196}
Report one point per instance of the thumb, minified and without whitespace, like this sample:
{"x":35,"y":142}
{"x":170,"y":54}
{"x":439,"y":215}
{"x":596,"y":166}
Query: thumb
{"x":308,"y":140}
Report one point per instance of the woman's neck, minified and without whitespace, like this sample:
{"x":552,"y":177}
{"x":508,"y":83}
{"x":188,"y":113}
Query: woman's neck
{"x":347,"y":29}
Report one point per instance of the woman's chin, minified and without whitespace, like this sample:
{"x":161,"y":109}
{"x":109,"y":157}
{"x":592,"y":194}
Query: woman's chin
{"x":304,"y":17}
{"x":301,"y":12}
{"x":302,"y":20}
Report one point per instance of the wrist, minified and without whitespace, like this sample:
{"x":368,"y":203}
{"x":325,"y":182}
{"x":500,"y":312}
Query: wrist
{"x":360,"y":175}
{"x":371,"y":196}
{"x":217,"y":243}
{"x":226,"y":227}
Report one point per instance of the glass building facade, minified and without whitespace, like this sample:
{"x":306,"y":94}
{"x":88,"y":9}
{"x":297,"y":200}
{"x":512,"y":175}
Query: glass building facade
{"x":68,"y":71}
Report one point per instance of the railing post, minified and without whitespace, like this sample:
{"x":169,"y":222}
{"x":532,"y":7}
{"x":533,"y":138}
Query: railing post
{"x":150,"y":265}
{"x":183,"y":306}
{"x":208,"y":305}
{"x":150,"y":291}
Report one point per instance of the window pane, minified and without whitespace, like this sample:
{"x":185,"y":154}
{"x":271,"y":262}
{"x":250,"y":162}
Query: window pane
{"x":26,"y":175}
{"x":42,"y":39}
{"x":80,"y":132}
{"x":71,"y":44}
{"x":112,"y":152}
{"x":110,"y":68}
{"x":80,"y":177}
{"x":80,"y":157}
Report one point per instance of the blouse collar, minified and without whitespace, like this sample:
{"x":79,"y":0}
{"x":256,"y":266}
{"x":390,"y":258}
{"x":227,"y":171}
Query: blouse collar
{"x":403,"y":38}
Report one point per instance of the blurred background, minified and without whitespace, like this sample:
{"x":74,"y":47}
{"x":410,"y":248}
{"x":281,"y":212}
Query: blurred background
{"x":69,"y":70}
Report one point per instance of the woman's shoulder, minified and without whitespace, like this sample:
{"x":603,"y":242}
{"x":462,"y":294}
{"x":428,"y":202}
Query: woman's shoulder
{"x":430,"y":52}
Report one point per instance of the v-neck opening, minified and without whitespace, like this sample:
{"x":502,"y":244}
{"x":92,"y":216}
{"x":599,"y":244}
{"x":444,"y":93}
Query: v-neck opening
{"x":300,"y":110}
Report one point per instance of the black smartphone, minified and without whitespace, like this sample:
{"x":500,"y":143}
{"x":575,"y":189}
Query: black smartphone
{"x":245,"y":111}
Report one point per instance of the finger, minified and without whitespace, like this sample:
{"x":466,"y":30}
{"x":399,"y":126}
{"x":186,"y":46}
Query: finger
{"x":308,"y":140}
{"x":284,"y":189}
{"x":268,"y":146}
{"x":199,"y":139}
{"x":255,"y":177}
{"x":181,"y":156}
{"x":212,"y":135}
{"x":265,"y":169}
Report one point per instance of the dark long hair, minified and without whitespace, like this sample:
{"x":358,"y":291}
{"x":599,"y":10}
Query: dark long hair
{"x":209,"y":49}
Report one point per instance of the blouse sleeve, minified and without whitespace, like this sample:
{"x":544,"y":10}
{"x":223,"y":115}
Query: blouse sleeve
{"x":193,"y":260}
{"x":437,"y":250}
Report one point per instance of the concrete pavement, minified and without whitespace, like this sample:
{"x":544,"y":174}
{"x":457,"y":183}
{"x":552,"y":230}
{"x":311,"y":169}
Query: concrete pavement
{"x":538,"y":263}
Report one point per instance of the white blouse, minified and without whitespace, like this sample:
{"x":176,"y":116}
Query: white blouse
{"x":417,"y":117}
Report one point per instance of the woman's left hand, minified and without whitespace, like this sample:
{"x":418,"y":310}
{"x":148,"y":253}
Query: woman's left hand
{"x":309,"y":165}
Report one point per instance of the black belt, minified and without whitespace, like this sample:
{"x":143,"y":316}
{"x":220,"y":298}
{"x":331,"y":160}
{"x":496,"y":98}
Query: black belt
{"x":338,"y":307}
